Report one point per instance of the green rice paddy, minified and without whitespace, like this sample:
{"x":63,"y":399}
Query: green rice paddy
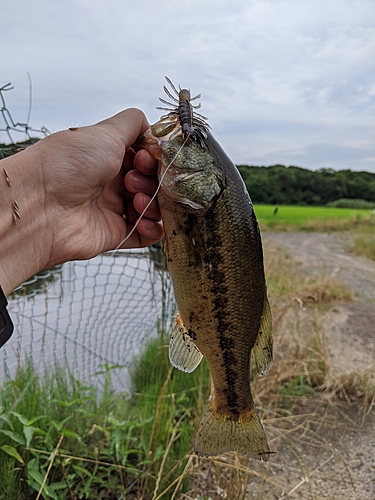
{"x":310,"y":218}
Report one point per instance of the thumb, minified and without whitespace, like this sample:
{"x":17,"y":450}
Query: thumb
{"x":128,"y":124}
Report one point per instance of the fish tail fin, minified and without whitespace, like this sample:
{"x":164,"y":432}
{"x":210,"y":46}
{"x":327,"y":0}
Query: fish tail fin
{"x":218,"y":433}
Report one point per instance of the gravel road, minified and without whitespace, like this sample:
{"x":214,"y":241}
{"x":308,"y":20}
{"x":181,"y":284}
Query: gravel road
{"x":344,"y":466}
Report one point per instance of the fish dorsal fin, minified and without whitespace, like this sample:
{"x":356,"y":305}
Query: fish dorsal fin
{"x":183,"y":353}
{"x":263,"y":348}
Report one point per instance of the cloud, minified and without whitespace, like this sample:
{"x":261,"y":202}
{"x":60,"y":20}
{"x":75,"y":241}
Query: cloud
{"x":282,"y":75}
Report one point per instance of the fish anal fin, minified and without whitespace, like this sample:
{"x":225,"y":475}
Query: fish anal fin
{"x":183,"y":353}
{"x":263,"y":349}
{"x":218,"y":433}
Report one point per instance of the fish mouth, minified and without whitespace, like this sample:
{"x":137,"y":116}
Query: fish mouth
{"x":161,"y":131}
{"x":148,"y":142}
{"x":167,"y":127}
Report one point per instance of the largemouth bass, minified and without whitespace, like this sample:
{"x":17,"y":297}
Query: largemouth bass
{"x":214,"y":254}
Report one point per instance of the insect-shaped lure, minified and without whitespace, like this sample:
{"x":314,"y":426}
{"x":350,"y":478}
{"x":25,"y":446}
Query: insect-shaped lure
{"x":193,"y":124}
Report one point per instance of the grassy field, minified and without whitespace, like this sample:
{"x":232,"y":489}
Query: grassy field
{"x":296,"y":218}
{"x":359,"y":223}
{"x":61,"y":439}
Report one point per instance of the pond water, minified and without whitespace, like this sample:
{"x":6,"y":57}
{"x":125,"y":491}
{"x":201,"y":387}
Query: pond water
{"x":88,"y":314}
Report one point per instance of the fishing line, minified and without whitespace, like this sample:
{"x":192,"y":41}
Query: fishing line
{"x":152,"y":199}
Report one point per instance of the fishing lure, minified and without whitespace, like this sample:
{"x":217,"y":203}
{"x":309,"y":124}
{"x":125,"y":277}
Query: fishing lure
{"x":192,"y":124}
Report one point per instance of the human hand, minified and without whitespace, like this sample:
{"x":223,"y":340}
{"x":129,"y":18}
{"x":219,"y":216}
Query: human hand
{"x":84,"y":172}
{"x":72,"y":189}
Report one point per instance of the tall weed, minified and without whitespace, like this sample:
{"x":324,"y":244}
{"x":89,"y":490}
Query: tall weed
{"x":364,"y":245}
{"x":62,"y":439}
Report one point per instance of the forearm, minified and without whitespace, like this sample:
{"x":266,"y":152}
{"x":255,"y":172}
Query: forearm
{"x":24,"y":237}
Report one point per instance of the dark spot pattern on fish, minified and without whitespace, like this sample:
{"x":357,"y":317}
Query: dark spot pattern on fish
{"x":231,"y":374}
{"x":194,"y":244}
{"x":190,"y":223}
{"x":220,"y":290}
{"x":232,"y":397}
{"x":192,"y":334}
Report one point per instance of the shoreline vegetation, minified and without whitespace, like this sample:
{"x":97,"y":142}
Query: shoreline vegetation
{"x":64,"y":439}
{"x":61,"y":438}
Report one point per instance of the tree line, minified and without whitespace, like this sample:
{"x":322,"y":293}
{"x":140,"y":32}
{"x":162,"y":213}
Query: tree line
{"x":283,"y":185}
{"x":291,"y":185}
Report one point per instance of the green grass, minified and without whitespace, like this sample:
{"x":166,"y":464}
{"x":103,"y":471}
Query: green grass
{"x":64,"y":440}
{"x":364,"y":244}
{"x":351,"y":203}
{"x":43,"y":415}
{"x":296,"y":218}
{"x":359,"y":222}
{"x":175,"y":400}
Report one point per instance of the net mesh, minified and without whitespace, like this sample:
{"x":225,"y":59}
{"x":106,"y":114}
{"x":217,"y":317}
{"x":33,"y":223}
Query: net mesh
{"x":85,"y":315}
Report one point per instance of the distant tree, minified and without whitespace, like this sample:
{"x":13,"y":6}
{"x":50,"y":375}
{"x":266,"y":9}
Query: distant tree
{"x":292,"y":185}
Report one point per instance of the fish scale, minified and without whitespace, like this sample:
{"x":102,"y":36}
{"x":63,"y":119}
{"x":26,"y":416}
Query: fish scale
{"x":215,"y":260}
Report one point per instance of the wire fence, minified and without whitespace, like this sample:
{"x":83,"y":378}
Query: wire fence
{"x":19,"y":135}
{"x":86,"y":315}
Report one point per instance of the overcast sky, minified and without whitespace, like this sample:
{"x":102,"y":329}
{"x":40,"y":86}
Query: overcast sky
{"x":289,"y":82}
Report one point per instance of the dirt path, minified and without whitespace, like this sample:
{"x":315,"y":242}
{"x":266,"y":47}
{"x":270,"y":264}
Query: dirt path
{"x":349,"y":327}
{"x":343,"y":465}
{"x":328,"y":253}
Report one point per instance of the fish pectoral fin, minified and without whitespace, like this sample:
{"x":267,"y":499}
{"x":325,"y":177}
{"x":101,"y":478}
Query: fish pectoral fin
{"x":263,"y":348}
{"x":183,"y":353}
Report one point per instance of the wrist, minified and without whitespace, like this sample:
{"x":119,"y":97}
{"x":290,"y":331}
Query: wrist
{"x":24,"y":241}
